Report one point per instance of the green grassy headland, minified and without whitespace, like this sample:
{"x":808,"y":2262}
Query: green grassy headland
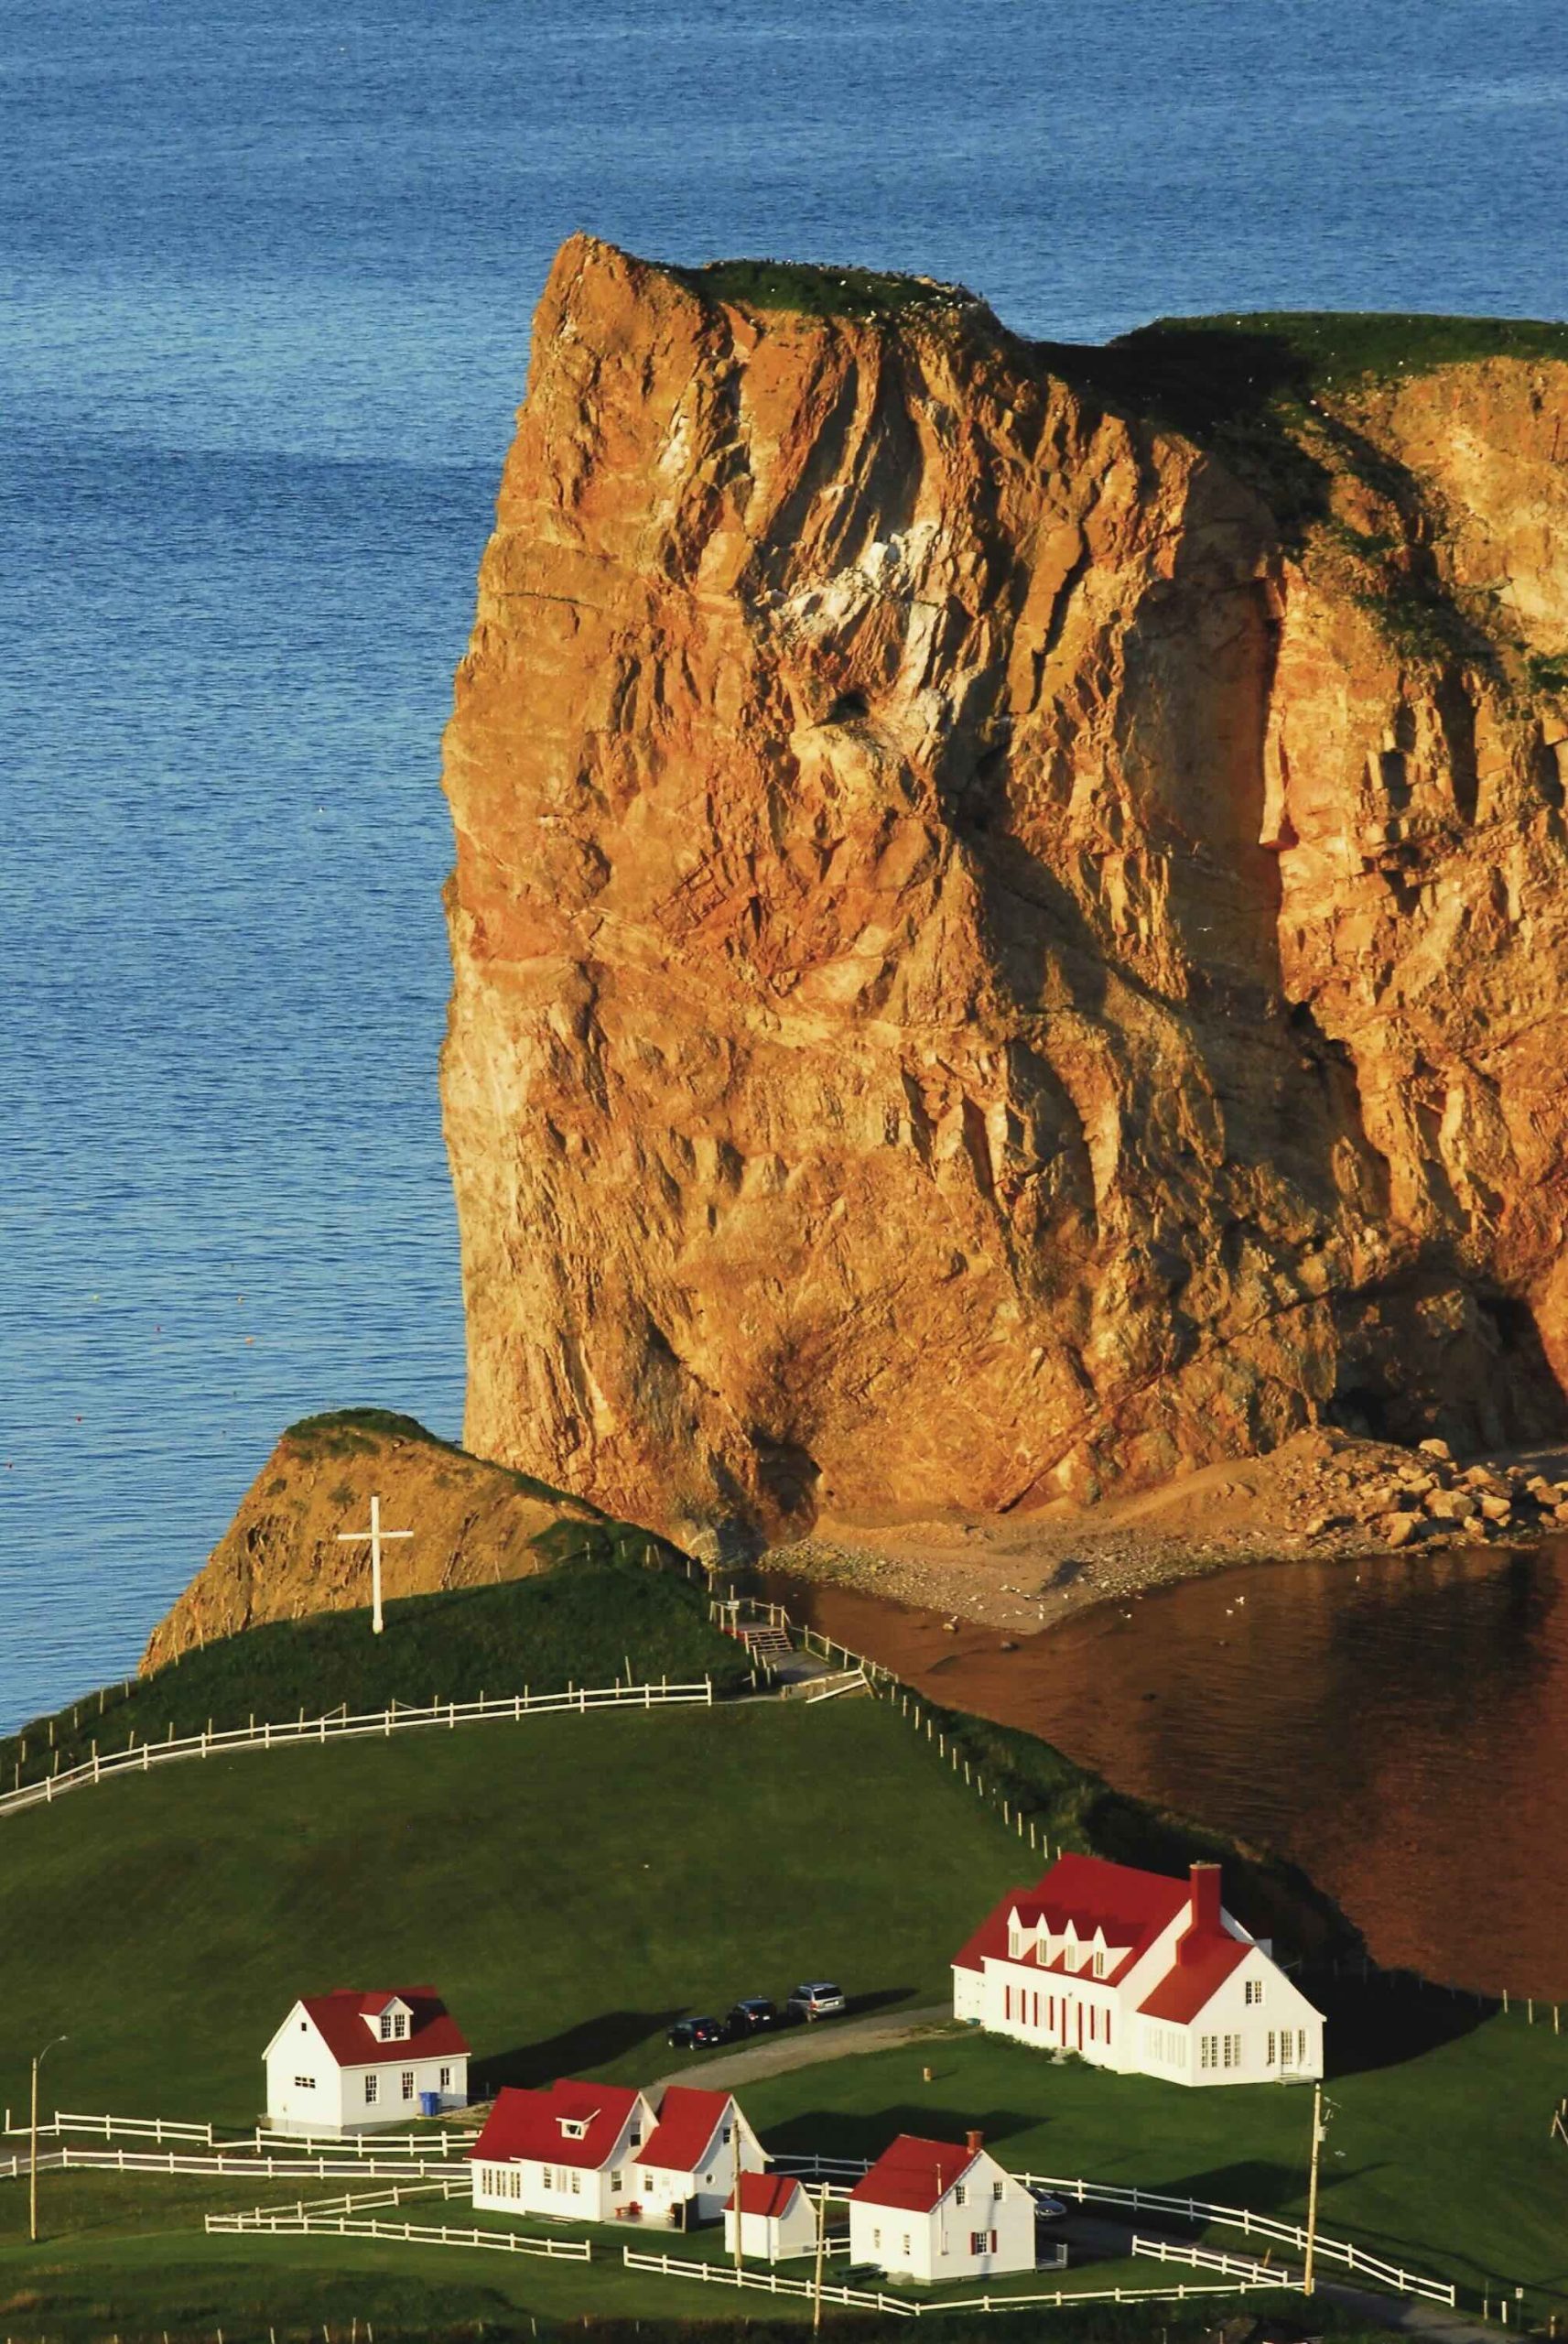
{"x":570,"y":1885}
{"x":582,"y":1623}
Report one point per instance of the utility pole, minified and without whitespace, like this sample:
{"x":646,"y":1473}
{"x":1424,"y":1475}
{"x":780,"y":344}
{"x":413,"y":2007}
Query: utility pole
{"x":38,"y":2058}
{"x":821,"y":2243}
{"x":376,"y":1533}
{"x":735,"y":2145}
{"x":1318,"y":2130}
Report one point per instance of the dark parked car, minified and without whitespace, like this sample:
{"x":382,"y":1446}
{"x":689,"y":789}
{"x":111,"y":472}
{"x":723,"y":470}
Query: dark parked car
{"x":693,"y":2034}
{"x":816,"y":1999}
{"x":751,"y":2014}
{"x":1048,"y":2208}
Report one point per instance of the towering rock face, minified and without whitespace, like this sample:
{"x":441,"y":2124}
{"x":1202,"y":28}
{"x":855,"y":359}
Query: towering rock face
{"x":1001,"y":946}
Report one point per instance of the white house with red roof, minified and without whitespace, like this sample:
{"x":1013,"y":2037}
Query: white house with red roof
{"x":777,"y":2218}
{"x":346,"y":2061}
{"x":567,"y":2151}
{"x":685,"y":2170}
{"x":933,"y":2211}
{"x":1139,"y":1972}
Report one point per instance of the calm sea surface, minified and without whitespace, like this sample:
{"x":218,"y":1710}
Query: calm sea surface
{"x":267,"y":270}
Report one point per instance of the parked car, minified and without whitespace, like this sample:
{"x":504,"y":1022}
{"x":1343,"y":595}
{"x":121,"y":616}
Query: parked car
{"x":751,"y":2014}
{"x":693,"y":2034}
{"x":817,"y":1999}
{"x":1048,"y":2208}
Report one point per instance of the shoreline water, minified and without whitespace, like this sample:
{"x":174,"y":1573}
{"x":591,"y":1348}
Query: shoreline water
{"x":1386,"y":1721}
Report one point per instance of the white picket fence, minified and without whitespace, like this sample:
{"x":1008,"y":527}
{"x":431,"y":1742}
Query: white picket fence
{"x":1198,"y":2209}
{"x":338,"y":1726}
{"x":356,"y":2201}
{"x":290,"y":2224}
{"x":850,"y":2169}
{"x":772,"y":2283}
{"x":456,"y":2138}
{"x":231,"y":2161}
{"x":768,"y":2282}
{"x":1204,"y":2258}
{"x":129,"y":2128}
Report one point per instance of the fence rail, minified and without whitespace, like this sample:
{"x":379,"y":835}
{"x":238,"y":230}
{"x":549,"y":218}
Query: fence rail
{"x":767,"y":2282}
{"x":822,"y":2168}
{"x":354,"y":2201}
{"x":454,"y":2139}
{"x":292,"y":2225}
{"x":1206,"y":2258}
{"x":338,"y":1726}
{"x":1198,"y":2209}
{"x":229,"y":2161}
{"x":131,"y":2128}
{"x":771,"y":2282}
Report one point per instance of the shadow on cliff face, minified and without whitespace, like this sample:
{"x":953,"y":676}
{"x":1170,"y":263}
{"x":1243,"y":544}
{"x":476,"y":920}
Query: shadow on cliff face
{"x":1430,"y":1353}
{"x":1227,"y":389}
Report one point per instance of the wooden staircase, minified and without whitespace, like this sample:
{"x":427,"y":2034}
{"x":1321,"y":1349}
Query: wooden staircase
{"x":771,"y":1647}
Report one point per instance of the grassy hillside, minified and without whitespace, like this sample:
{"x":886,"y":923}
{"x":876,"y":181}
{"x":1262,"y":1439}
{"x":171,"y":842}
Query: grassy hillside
{"x":570,"y":1885}
{"x":1078,"y":1809}
{"x":1440,"y":2158}
{"x":581,"y":1624}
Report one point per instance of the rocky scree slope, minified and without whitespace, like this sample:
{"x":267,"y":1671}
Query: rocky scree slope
{"x":1009,"y":924}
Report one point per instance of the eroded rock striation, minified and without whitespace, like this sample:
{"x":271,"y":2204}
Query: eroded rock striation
{"x":1010,"y":928}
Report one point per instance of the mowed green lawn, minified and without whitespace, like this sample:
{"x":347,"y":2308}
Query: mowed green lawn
{"x":570,"y":1886}
{"x":1440,"y":2161}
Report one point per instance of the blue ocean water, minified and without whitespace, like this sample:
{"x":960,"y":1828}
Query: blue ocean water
{"x":266,"y":273}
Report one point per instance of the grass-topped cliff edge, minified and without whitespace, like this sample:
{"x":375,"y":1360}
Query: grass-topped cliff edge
{"x":472,"y":1523}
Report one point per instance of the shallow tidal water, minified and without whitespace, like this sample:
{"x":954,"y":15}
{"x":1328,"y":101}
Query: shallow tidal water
{"x":267,"y":271}
{"x":1398,"y":1727}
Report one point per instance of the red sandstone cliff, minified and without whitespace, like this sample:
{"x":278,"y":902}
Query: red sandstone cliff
{"x":1000,"y":946}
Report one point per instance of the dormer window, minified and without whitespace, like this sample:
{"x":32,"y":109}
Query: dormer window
{"x":574,"y":2128}
{"x":386,"y":2026}
{"x":399,"y":2024}
{"x":1099,"y":1962}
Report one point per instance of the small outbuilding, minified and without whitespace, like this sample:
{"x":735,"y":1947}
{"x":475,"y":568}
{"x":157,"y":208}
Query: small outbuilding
{"x":934,"y":2210}
{"x":566,"y":2152}
{"x":348,"y":2061}
{"x":685,"y":2170}
{"x":777,"y":2218}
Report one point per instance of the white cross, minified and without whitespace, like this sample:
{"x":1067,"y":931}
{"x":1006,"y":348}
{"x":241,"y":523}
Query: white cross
{"x":376,"y":1533}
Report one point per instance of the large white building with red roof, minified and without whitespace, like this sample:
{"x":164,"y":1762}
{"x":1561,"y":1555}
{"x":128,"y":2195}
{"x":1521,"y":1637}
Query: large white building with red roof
{"x":346,"y":2061}
{"x":933,"y":2211}
{"x":1139,"y":1972}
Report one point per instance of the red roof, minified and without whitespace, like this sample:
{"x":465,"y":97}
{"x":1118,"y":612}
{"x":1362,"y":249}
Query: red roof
{"x":688,"y":2120}
{"x":1129,"y":1906}
{"x":531,"y":2125}
{"x":914,"y":2174}
{"x":765,"y":2193}
{"x":1204,"y":1964}
{"x":340,"y":2019}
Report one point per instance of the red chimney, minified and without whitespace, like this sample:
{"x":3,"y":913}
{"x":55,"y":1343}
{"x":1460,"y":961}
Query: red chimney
{"x":1206,"y":1899}
{"x":974,"y":2142}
